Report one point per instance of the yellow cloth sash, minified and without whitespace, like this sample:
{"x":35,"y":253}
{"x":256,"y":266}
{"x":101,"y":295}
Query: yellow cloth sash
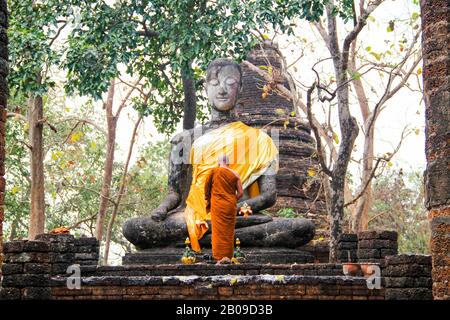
{"x":251,"y":151}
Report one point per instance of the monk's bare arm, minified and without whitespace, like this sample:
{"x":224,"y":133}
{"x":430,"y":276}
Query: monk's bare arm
{"x":208,"y":186}
{"x":240,"y":191}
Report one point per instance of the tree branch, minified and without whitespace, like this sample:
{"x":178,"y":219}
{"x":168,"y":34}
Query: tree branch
{"x":316,"y":132}
{"x":77,"y":224}
{"x":372,"y":173}
{"x":57,"y":33}
{"x":91,"y":190}
{"x":87,"y":121}
{"x":127,"y":96}
{"x":369,"y":180}
{"x":354,"y":33}
{"x":18,"y":116}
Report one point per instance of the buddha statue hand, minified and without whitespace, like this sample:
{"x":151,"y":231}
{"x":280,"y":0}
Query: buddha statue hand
{"x":159,"y":214}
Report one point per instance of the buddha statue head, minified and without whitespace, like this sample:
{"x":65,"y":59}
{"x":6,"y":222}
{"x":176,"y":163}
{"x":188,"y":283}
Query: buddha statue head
{"x":223,"y":84}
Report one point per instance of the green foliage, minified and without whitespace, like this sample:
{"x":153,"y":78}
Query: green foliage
{"x":147,"y":184}
{"x":344,"y":9}
{"x":74,"y":168}
{"x":158,"y":40}
{"x":32,"y":29}
{"x":17,"y":193}
{"x":398,"y":205}
{"x":287,"y":213}
{"x":73,"y":174}
{"x":146,"y":187}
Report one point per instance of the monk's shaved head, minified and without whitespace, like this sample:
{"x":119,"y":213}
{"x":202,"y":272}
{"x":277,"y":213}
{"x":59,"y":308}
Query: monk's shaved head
{"x":223,"y":159}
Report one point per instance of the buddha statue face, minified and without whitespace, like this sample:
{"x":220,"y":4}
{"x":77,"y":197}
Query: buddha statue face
{"x":223,"y":83}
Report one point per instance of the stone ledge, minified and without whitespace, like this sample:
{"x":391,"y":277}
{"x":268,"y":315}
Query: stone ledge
{"x":210,"y":270}
{"x":219,"y":280}
{"x":220,"y":287}
{"x":253,"y":255}
{"x":408,"y":259}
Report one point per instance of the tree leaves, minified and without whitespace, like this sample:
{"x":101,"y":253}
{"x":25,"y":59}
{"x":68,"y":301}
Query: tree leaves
{"x":157,"y":39}
{"x":391,"y":26}
{"x":335,"y":138}
{"x":311,"y":172}
{"x":76,"y":136}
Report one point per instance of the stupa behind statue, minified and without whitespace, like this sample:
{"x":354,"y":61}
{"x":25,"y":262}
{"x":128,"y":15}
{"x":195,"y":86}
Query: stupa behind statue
{"x":296,"y":190}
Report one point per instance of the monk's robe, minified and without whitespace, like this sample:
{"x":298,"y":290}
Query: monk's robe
{"x":251,"y":152}
{"x":220,"y":197}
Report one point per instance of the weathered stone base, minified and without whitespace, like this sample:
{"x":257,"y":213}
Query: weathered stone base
{"x":225,"y":287}
{"x":440,"y":246}
{"x":253,"y":255}
{"x":38,"y":270}
{"x":407,"y":277}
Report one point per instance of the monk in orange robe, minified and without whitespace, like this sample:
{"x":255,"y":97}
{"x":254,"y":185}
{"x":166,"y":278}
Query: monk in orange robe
{"x":223,"y":188}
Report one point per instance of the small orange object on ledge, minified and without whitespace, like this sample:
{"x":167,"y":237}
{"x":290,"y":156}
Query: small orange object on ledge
{"x":245,"y":210}
{"x":60,"y":230}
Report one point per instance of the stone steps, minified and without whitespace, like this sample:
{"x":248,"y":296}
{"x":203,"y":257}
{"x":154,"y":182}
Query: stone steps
{"x":215,"y":280}
{"x":253,"y":255}
{"x":213,"y":270}
{"x":219,"y":287}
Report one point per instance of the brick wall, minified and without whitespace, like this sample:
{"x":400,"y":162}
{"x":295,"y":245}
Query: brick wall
{"x":258,"y":287}
{"x":367,"y":246}
{"x":408,"y":277}
{"x":37,"y":270}
{"x":30,"y":265}
{"x":3,"y":102}
{"x":347,"y":247}
{"x":374,"y":246}
{"x":436,"y":74}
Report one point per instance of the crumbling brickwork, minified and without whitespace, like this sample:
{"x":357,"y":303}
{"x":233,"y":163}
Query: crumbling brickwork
{"x":30,"y":265}
{"x":26,"y":270}
{"x":408,"y":277}
{"x":3,"y":102}
{"x":38,"y":270}
{"x":347,"y":247}
{"x":374,"y":246}
{"x":436,"y":76}
{"x":222,"y":287}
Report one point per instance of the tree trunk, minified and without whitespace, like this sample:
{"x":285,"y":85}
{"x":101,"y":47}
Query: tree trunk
{"x":121,"y":192}
{"x":13,"y":232}
{"x":108,"y":168}
{"x":365,"y":201}
{"x":37,"y":206}
{"x":189,"y":97}
{"x":349,"y":132}
{"x":360,"y":216}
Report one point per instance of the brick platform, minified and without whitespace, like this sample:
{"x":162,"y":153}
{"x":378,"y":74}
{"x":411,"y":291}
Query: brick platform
{"x":408,"y":277}
{"x":253,"y":255}
{"x":37,"y":270}
{"x":260,"y":287}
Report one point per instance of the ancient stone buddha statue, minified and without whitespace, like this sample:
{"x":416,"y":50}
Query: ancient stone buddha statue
{"x":193,"y":152}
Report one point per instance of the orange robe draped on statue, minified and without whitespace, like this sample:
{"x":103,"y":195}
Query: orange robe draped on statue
{"x":220,"y":196}
{"x":251,"y":152}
